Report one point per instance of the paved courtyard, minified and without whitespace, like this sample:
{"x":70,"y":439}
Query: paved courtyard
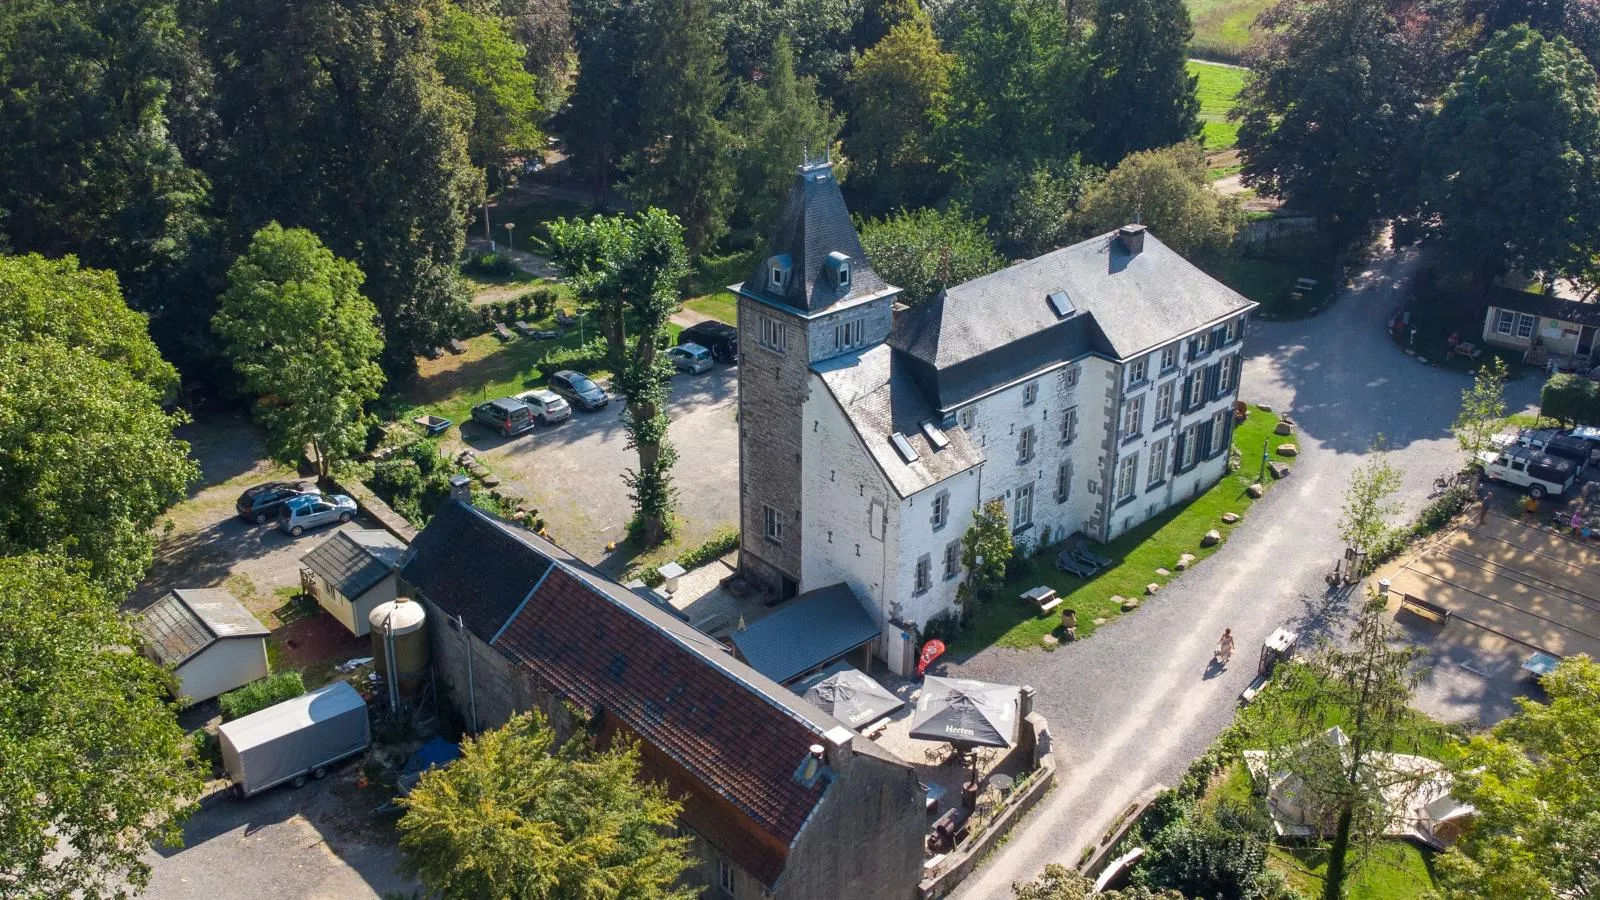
{"x":1131,"y":707}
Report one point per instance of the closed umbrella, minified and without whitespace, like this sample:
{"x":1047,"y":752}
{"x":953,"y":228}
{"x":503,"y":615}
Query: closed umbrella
{"x":851,"y":697}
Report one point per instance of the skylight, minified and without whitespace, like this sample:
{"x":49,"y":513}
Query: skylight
{"x":1061,"y":303}
{"x":903,"y":447}
{"x":935,"y":436}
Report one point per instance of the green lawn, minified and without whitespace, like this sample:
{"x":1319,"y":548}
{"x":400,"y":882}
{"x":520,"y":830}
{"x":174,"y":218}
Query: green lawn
{"x":1009,"y":621}
{"x":722,"y":306}
{"x":452,"y":385}
{"x":1222,"y":27}
{"x":1269,"y":282}
{"x":530,"y":218}
{"x":1397,"y":870}
{"x":1218,"y":90}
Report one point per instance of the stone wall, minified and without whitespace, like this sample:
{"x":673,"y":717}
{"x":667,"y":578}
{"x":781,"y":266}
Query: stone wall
{"x":772,"y":388}
{"x":864,"y":842}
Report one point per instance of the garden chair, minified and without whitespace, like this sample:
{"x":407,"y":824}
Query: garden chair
{"x":1066,"y":563}
{"x":1083,"y":554}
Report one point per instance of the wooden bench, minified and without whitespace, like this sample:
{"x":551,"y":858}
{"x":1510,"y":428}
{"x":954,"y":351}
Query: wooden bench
{"x":1044,"y":598}
{"x":1423,"y":608}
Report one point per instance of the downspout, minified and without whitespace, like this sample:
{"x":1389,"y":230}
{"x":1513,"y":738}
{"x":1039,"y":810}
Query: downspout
{"x":472,"y":692}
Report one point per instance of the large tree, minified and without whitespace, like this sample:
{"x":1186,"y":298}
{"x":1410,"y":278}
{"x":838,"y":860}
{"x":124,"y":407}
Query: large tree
{"x":896,"y":89}
{"x":1140,"y":95}
{"x":1363,"y":685}
{"x":1535,"y":782}
{"x":1166,"y":190}
{"x":628,"y":268}
{"x":87,"y":457}
{"x":302,"y":337}
{"x":543,"y":29}
{"x":1483,"y":409}
{"x":479,"y":59}
{"x":602,"y":122}
{"x":1336,"y":105}
{"x":341,"y":123}
{"x":685,"y":161}
{"x":95,"y":769}
{"x":1511,"y":178}
{"x":1369,"y":504}
{"x":821,"y":31}
{"x":777,"y":121}
{"x":519,"y":818}
{"x":927,"y":250}
{"x":89,"y":165}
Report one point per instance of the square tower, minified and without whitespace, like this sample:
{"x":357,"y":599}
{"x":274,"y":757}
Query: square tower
{"x":813,"y":296}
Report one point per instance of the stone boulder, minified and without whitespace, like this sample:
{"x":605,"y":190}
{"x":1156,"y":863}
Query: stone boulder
{"x":1151,"y":588}
{"x":1279,"y":470}
{"x":1263,"y":407}
{"x":1164,"y":573}
{"x":1255,"y":491}
{"x":1211,"y":539}
{"x":1288,"y":450}
{"x":1229,"y":518}
{"x":1284,"y":428}
{"x":1129,"y":604}
{"x":1184,"y":562}
{"x":1050,"y":641}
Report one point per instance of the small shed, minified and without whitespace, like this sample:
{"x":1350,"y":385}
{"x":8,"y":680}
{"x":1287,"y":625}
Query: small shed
{"x":1564,"y":330}
{"x":208,"y":638}
{"x":352,"y":573}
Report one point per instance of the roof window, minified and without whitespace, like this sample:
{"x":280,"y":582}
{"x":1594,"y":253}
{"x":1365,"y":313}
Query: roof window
{"x":1061,"y":303}
{"x":839,"y":268}
{"x":778,"y":271}
{"x":903,"y":447}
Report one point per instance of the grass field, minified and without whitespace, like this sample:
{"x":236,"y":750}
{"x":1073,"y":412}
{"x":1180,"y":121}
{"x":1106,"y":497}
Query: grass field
{"x":1218,"y":89}
{"x":1222,"y":27}
{"x":1270,"y":282}
{"x":1397,"y":870}
{"x":1010,"y":621}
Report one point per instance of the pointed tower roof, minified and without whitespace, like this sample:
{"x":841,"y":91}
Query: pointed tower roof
{"x":814,"y":239}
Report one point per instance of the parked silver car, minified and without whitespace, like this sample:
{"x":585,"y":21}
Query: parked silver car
{"x":691,"y":358}
{"x":547,"y":406}
{"x":301,"y":513}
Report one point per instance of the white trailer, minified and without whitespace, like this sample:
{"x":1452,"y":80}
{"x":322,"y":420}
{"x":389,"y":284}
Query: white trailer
{"x":295,"y":739}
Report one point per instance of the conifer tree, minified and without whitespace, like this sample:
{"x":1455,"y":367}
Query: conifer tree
{"x":1141,"y":95}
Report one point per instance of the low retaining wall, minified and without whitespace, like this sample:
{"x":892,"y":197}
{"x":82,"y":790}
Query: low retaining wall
{"x":1110,"y":842}
{"x":373,"y":506}
{"x":961,"y":863}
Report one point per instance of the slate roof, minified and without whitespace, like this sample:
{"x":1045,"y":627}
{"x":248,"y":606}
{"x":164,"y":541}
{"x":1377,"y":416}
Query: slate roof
{"x":184,"y":622}
{"x":814,"y":223}
{"x":733,"y":734}
{"x":1001,"y":327}
{"x":1559,"y":308}
{"x":875,"y":389}
{"x":356,"y":560}
{"x":814,"y":628}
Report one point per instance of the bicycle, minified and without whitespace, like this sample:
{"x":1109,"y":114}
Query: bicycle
{"x":1445,"y":482}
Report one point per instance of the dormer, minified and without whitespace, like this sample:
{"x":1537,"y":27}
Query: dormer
{"x":838,"y":267}
{"x":779,"y":268}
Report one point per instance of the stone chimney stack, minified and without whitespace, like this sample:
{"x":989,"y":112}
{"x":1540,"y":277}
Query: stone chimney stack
{"x":461,"y":488}
{"x":1132,"y":238}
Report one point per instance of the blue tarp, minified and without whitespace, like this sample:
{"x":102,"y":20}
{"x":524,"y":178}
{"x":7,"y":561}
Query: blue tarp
{"x":436,"y":752}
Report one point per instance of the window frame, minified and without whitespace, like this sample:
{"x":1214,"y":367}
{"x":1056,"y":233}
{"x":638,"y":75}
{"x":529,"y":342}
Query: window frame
{"x":774,"y":334}
{"x":771,"y":524}
{"x":1530,"y":320}
{"x":967,"y":416}
{"x":952,"y":559}
{"x":1064,"y":481}
{"x":1030,"y":393}
{"x":1156,"y":472}
{"x":1127,"y":478}
{"x":1505,"y":322}
{"x":1164,"y":393}
{"x":1069,"y":377}
{"x":1169,"y":358}
{"x":1139,"y":371}
{"x":1197,"y":391}
{"x":726,"y":883}
{"x":1022,"y":501}
{"x":1132,"y":411}
{"x":1069,"y":425}
{"x":1225,"y":383}
{"x":1026,"y":446}
{"x":922,"y":579}
{"x":941,"y":510}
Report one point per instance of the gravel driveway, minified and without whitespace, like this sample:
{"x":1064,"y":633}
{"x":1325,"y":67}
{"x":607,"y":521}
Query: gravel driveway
{"x":1131,"y":707}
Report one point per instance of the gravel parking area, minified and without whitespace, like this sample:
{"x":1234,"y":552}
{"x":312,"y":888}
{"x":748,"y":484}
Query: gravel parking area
{"x":572,"y":471}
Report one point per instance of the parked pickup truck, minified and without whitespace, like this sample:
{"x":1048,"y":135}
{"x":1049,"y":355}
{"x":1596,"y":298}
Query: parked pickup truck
{"x":1540,"y":473}
{"x":295,"y":739}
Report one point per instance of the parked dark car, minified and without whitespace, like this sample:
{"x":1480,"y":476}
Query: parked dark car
{"x":720,"y":338}
{"x":507,"y":415}
{"x":579,"y":390}
{"x":263,"y":501}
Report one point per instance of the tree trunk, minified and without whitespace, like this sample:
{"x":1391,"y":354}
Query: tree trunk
{"x":1333,"y":882}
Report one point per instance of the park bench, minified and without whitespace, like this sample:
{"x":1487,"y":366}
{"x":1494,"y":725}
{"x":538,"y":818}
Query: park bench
{"x":1427,"y":610}
{"x":1044,"y":598}
{"x":502,"y":332}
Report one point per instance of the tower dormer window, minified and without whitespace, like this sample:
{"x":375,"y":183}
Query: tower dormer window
{"x":778,"y":272}
{"x":839,"y":267}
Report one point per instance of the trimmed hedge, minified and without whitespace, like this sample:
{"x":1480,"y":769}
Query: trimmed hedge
{"x":260,"y":694}
{"x":1432,"y":518}
{"x":715,"y":547}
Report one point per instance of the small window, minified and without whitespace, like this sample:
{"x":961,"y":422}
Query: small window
{"x":1064,"y":482}
{"x":1127,"y":474}
{"x":1030,"y":393}
{"x":1169,"y":358}
{"x":1158,"y":464}
{"x":1505,"y":322}
{"x":1022,"y":508}
{"x":725,"y":877}
{"x":924,"y":574}
{"x":774,"y":334}
{"x":1525,"y":325}
{"x":1069,"y":377}
{"x":1025,"y":445}
{"x":1164,"y":403}
{"x":1225,"y":376}
{"x":771,"y":524}
{"x":1069,"y":425}
{"x":851,"y":334}
{"x":1230,"y":331}
{"x":839,"y":264}
{"x":1219,"y":432}
{"x":1132,"y":417}
{"x":941,"y":510}
{"x":1197,"y":390}
{"x":1197,"y":346}
{"x":968,"y":417}
{"x":952,"y":559}
{"x":1191,"y":436}
{"x":1137,"y":371}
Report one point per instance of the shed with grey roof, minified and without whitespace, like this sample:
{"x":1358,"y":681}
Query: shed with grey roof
{"x":352,"y":573}
{"x":208,"y":638}
{"x":811,"y":631}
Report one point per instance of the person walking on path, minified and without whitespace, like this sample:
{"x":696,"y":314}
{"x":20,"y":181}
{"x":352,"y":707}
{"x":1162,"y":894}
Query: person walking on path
{"x":1530,"y":506}
{"x":1483,"y":501}
{"x":1576,"y":522}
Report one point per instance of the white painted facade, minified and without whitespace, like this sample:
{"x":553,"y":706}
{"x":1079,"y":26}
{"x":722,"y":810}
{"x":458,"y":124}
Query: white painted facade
{"x":221,"y":667}
{"x":353,"y":614}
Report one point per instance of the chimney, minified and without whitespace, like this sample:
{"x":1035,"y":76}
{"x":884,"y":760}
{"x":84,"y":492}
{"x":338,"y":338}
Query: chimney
{"x":461,"y":488}
{"x":1132,"y":237}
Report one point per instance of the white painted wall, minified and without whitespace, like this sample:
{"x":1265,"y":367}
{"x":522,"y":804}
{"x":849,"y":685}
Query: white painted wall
{"x":917,"y":535}
{"x":843,"y":489}
{"x":221,"y":667}
{"x":353,"y":616}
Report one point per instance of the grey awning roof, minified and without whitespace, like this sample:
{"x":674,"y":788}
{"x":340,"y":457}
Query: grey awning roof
{"x":184,"y":622}
{"x":355,"y":560}
{"x":812,"y":630}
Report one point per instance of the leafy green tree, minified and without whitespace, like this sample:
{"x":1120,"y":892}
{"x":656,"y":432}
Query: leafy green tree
{"x":95,"y":770}
{"x":304,"y":340}
{"x":89,"y":165}
{"x":1483,"y":408}
{"x":1167,"y":191}
{"x":1369,"y":503}
{"x":1061,"y":883}
{"x":519,"y":818}
{"x":821,"y":31}
{"x":925,"y":251}
{"x":1363,"y":685}
{"x":1043,"y":214}
{"x":777,"y":121}
{"x":87,"y":457}
{"x":1372,"y":66}
{"x":602,"y":126}
{"x":985,"y":549}
{"x":543,"y":31}
{"x":628,"y":268}
{"x":478,"y":58}
{"x":1570,"y":399}
{"x":895,"y":90}
{"x":1141,"y":92}
{"x":1535,"y":782}
{"x":1510,"y":179}
{"x":355,"y":88}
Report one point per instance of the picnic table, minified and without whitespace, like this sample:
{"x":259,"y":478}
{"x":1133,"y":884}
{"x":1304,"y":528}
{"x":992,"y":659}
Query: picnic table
{"x":1467,"y":349}
{"x":1043,"y":597}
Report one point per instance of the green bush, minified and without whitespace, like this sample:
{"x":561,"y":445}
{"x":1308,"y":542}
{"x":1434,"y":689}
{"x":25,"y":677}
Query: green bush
{"x":493,"y":265}
{"x":717,"y":546}
{"x":583,"y":358}
{"x":1570,"y":399}
{"x":260,"y":694}
{"x":207,"y":750}
{"x":544,"y":301}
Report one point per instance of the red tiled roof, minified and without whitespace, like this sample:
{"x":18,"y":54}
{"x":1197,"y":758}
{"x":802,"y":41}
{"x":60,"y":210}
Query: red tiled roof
{"x":727,"y":736}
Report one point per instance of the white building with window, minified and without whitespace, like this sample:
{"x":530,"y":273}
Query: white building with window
{"x":1088,"y":390}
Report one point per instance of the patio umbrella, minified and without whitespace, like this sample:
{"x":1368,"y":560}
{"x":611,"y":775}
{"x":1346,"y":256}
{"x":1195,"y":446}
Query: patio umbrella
{"x":851,"y":697}
{"x":966,"y":713}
